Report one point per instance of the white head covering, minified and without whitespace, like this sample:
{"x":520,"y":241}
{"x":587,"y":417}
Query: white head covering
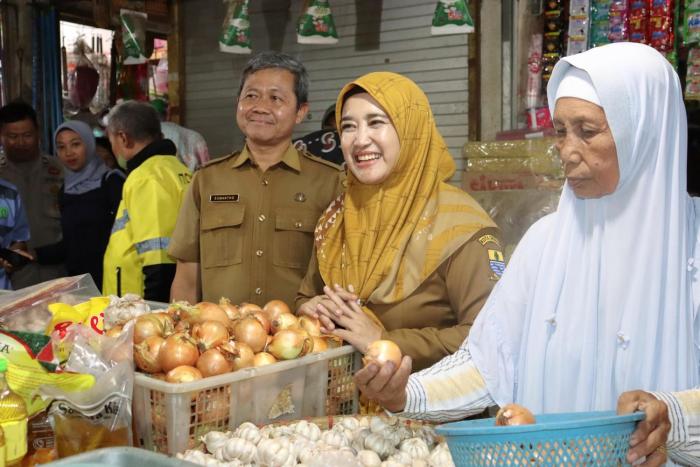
{"x":577,"y":83}
{"x":598,"y":297}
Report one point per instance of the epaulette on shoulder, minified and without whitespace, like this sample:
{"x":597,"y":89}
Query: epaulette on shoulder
{"x":321,"y":161}
{"x":221,"y":159}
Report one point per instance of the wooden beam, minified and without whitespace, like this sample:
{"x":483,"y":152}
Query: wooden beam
{"x":176,"y":66}
{"x":474,"y":73}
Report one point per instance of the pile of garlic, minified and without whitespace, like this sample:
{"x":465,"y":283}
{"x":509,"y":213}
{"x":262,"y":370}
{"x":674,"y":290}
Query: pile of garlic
{"x":352,"y":442}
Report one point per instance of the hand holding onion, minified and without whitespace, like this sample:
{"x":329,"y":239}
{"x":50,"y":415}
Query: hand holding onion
{"x":385,"y":375}
{"x":514,"y":414}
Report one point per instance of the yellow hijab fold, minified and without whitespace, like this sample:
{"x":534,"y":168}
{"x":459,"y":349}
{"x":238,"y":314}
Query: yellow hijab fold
{"x":386,"y":239}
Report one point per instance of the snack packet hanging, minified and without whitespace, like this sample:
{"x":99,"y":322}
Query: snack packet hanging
{"x":451,"y":17}
{"x":133,"y":36}
{"x":235,"y":32}
{"x":692,"y":80}
{"x":691,"y":22}
{"x":316,"y":24}
{"x":578,"y":26}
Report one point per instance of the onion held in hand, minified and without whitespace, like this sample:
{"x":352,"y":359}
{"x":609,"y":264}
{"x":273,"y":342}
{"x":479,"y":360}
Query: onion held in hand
{"x":514,"y":414}
{"x":382,"y":351}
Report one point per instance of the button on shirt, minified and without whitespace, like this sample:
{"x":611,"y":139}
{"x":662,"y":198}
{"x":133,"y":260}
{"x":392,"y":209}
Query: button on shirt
{"x":252,"y":231}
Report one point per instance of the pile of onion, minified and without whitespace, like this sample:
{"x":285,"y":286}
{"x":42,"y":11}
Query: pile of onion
{"x":190,"y":342}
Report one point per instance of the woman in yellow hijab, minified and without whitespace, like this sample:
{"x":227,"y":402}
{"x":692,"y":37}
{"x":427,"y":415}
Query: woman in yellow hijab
{"x":409,"y":257}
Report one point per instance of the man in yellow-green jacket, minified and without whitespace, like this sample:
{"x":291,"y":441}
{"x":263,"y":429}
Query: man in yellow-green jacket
{"x":136,"y":260}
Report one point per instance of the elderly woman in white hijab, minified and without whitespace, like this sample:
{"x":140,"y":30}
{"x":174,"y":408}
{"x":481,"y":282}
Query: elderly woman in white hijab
{"x":601,"y":296}
{"x":88,"y":201}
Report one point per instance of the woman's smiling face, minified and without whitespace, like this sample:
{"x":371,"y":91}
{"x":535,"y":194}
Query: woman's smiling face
{"x":368,"y":139}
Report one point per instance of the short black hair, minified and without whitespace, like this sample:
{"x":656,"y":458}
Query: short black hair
{"x":17,"y":111}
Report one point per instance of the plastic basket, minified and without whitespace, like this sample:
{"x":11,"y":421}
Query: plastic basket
{"x":120,"y":457}
{"x":569,"y":439}
{"x":170,"y":418}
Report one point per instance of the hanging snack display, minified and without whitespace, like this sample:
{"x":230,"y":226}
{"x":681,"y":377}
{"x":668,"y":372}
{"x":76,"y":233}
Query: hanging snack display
{"x":235,"y":32}
{"x":133,"y":36}
{"x":451,"y":17}
{"x":316,"y":25}
{"x":553,"y":37}
{"x":578,"y":26}
{"x":692,"y":80}
{"x":691,"y":22}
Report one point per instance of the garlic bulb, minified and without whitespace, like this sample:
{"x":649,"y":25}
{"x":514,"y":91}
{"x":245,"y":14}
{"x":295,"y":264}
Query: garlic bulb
{"x":275,"y":453}
{"x":310,"y":431}
{"x":249,"y":432}
{"x":214,"y":440}
{"x":427,"y":434}
{"x":121,"y":310}
{"x":415,"y":447}
{"x":191,"y":455}
{"x":440,"y":456}
{"x":401,"y":457}
{"x":335,"y":438}
{"x":358,"y":439}
{"x":369,"y":458}
{"x":349,"y":423}
{"x":239,"y":448}
{"x":392,"y":463}
{"x":335,"y":458}
{"x":379,"y":444}
{"x":419,"y":463}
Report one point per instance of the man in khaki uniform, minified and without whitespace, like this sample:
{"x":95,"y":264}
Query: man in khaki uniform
{"x":38,"y":177}
{"x":245,"y":230}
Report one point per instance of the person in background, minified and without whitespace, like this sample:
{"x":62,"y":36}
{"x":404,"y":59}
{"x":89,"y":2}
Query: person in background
{"x":600,"y":297}
{"x":103,"y":148}
{"x":323,"y":143}
{"x":328,"y":121}
{"x":245,"y":231}
{"x":136,"y":260}
{"x":418,"y":253}
{"x":88,"y":201}
{"x":38,"y":177}
{"x":192,"y":149}
{"x":14,"y":230}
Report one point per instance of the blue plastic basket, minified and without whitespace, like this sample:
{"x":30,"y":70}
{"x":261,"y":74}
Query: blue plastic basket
{"x":566,"y":439}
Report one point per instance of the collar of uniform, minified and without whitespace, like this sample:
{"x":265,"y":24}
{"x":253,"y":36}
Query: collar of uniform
{"x":161,"y":147}
{"x":290,"y":158}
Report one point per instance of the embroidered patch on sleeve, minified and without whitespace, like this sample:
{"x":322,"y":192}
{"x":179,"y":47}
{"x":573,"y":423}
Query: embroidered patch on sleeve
{"x":497,"y":262}
{"x":484,"y":239}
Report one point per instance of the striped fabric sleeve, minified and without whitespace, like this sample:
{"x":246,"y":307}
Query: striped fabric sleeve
{"x":683,"y":442}
{"x":452,"y":389}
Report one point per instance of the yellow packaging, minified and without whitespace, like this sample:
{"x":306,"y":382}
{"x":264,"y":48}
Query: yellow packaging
{"x":96,"y":317}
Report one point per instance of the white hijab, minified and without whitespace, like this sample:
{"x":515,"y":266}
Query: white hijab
{"x":598,"y":296}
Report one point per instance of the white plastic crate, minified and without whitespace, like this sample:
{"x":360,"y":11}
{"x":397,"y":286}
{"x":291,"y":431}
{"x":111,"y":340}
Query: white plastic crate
{"x":170,"y":418}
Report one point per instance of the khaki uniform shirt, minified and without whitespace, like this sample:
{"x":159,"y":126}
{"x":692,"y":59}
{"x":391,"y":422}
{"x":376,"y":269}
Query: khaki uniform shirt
{"x":252,"y":231}
{"x":38,"y":182}
{"x":435,"y":319}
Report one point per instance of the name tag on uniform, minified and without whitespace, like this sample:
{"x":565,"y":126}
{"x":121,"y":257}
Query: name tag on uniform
{"x":224,"y":198}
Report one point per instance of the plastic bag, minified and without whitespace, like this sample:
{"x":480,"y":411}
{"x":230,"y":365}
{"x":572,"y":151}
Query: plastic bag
{"x":133,"y":36}
{"x":27,"y":309}
{"x":98,"y":417}
{"x":84,"y":79}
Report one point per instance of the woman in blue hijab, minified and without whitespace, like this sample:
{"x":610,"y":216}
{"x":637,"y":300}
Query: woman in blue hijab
{"x":88,"y":200}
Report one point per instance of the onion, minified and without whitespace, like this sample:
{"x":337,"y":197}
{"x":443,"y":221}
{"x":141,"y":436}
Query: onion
{"x":146,"y":354}
{"x":183,"y":326}
{"x":248,"y":308}
{"x":268,"y":339}
{"x":114,"y":331}
{"x":183,"y":374}
{"x":382,"y":351}
{"x":177,"y":350}
{"x":207,"y":311}
{"x":320,"y":344}
{"x":239,"y":353}
{"x":289,"y":343}
{"x":310,"y":325}
{"x":284,"y":321}
{"x":261,"y":316}
{"x":213,"y":362}
{"x":263,"y":358}
{"x":151,"y":325}
{"x":274,"y":308}
{"x":250,"y":331}
{"x":231,"y":310}
{"x":514,"y":414}
{"x":209,"y":334}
